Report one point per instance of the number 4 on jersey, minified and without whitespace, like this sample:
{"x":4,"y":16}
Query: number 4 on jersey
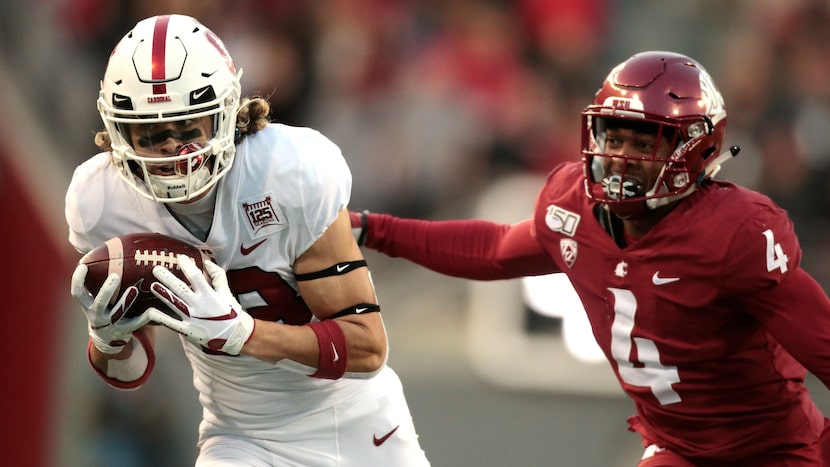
{"x":775,"y":254}
{"x":649,"y":371}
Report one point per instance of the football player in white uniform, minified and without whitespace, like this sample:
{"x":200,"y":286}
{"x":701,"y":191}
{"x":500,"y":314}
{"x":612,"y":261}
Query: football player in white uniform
{"x":282,"y":331}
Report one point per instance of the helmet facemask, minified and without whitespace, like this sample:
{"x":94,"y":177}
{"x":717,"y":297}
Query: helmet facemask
{"x":181,"y":175}
{"x":631,"y":195}
{"x":203,"y":154}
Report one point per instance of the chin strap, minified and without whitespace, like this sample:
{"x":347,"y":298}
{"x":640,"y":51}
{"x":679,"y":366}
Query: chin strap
{"x":654,"y":203}
{"x":710,"y":171}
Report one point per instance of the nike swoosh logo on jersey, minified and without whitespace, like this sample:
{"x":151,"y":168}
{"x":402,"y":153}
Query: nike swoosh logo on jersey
{"x":657,"y":280}
{"x":382,"y":439}
{"x":247,"y":250}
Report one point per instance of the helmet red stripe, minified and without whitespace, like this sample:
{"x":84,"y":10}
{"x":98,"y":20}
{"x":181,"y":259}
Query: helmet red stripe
{"x":159,"y":50}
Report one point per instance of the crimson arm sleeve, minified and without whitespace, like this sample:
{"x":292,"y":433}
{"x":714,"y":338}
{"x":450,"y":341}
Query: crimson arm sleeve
{"x":796,"y":312}
{"x":471,"y":249}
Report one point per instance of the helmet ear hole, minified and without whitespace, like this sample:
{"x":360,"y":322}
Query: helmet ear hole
{"x":707,"y":152}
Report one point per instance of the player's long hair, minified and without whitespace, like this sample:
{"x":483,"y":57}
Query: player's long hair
{"x":251,"y":117}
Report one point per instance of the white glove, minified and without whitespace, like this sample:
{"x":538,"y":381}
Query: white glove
{"x":209,"y":314}
{"x":108,"y":328}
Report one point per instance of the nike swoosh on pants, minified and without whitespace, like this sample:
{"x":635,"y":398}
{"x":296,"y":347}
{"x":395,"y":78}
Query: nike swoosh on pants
{"x":382,"y":439}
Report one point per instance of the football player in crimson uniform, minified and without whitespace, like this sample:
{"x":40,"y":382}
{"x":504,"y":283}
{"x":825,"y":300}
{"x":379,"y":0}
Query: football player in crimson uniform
{"x":283,"y":333}
{"x":692,"y":285}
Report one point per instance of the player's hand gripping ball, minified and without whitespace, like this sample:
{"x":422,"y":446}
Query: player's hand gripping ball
{"x":133,"y":257}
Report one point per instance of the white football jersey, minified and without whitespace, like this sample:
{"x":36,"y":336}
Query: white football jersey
{"x":285,"y":188}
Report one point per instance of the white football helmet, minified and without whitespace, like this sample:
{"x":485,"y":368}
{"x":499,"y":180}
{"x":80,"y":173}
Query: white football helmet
{"x":169,"y":71}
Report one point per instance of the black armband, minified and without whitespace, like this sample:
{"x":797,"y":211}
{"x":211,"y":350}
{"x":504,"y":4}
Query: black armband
{"x":336,"y":270}
{"x":364,"y":227}
{"x":358,"y":309}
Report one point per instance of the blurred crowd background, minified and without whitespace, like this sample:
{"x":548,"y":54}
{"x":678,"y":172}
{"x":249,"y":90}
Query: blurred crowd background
{"x":432,"y":102}
{"x":432,"y":99}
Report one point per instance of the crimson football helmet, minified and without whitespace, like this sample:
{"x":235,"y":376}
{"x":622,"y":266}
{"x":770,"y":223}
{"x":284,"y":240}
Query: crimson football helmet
{"x":667,"y":94}
{"x":171,"y":69}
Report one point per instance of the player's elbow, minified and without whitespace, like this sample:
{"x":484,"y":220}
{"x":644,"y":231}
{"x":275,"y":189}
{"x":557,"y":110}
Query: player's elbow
{"x":367,"y":343}
{"x":370,"y":357}
{"x":374,"y":362}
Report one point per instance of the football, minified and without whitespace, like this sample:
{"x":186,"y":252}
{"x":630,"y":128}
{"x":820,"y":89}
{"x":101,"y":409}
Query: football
{"x":133,"y":257}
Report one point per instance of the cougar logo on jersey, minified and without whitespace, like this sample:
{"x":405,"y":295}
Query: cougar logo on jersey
{"x":621,"y":270}
{"x":567,"y":246}
{"x":262,"y":215}
{"x":560,"y":220}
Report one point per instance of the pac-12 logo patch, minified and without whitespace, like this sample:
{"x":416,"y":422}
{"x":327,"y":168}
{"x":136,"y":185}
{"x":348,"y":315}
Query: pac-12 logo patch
{"x":561,"y":220}
{"x":568,"y":248}
{"x":262,"y":215}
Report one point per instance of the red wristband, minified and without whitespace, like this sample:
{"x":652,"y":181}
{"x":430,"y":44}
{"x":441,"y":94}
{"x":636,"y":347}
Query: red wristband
{"x":332,"y":345}
{"x":140,"y":339}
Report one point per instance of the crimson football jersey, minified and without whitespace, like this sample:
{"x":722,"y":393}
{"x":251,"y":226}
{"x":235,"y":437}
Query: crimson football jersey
{"x":693,"y":315}
{"x":708,"y":320}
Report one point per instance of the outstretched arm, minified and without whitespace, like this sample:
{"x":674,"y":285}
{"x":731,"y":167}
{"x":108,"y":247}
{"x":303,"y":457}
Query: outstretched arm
{"x":471,"y":249}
